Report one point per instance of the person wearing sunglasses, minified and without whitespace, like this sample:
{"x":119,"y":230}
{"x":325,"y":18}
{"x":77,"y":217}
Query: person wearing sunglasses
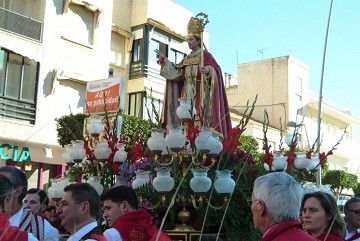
{"x":321,"y":217}
{"x":352,"y":217}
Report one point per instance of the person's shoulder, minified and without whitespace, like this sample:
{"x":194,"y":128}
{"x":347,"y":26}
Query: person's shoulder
{"x":111,"y":234}
{"x":47,"y":225}
{"x":297,"y":234}
{"x":31,"y":238}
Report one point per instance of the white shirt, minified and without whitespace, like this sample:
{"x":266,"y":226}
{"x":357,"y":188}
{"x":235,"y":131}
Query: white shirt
{"x":50,"y":233}
{"x":112,"y":234}
{"x":81,"y":232}
{"x":349,"y":235}
{"x":31,"y":237}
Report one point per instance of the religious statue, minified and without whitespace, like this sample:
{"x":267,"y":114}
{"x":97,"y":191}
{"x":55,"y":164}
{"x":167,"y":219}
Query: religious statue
{"x":197,"y":77}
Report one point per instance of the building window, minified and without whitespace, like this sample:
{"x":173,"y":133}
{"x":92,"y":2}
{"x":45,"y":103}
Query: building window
{"x":18,"y":83}
{"x":140,"y":106}
{"x":176,"y":56}
{"x":117,"y":50}
{"x":82,"y":22}
{"x":136,"y":102}
{"x":155,"y":44}
{"x":137,"y":52}
{"x":149,"y":102}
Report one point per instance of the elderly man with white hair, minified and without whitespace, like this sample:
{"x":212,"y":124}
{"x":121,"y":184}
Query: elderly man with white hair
{"x":275,"y":206}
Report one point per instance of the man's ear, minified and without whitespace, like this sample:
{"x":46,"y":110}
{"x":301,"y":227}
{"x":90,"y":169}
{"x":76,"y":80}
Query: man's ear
{"x":43,"y":207}
{"x":262,"y":208}
{"x":85,"y":207}
{"x":126,"y":207}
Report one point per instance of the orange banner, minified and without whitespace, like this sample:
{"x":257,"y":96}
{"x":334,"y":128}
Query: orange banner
{"x":101,"y":93}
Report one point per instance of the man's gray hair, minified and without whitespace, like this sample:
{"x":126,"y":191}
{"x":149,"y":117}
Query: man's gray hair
{"x":282,"y":195}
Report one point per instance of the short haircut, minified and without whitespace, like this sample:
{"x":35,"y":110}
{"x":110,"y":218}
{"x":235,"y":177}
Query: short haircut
{"x":18,"y":178}
{"x":282,"y":195}
{"x":350,"y":201}
{"x":84,"y":192}
{"x":6,"y":189}
{"x":119,"y":194}
{"x":44,"y":199}
{"x":328,"y":203}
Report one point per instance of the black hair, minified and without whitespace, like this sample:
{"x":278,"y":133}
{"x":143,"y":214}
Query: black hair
{"x":350,"y":201}
{"x":6,"y":189}
{"x":118,"y":194}
{"x":44,"y":199}
{"x":18,"y":179}
{"x":82,"y":192}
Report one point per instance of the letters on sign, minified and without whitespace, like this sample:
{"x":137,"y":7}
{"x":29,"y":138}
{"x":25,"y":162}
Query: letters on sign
{"x":12,"y":152}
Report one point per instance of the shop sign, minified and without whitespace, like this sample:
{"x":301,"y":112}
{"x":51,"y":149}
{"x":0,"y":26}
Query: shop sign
{"x":12,"y":152}
{"x":109,"y":92}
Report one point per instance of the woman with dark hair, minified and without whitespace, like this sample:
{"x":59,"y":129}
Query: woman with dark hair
{"x":321,"y":217}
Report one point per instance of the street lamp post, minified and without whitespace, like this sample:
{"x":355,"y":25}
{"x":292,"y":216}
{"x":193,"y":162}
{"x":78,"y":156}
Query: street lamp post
{"x":318,"y":176}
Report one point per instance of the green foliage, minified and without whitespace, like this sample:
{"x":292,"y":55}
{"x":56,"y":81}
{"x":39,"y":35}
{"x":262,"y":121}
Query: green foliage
{"x":356,"y":190}
{"x":250,"y":145}
{"x":339,"y":179}
{"x":135,"y":131}
{"x":70,"y":127}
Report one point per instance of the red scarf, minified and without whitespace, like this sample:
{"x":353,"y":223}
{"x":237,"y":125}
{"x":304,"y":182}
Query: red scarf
{"x":95,"y":233}
{"x":138,"y":226}
{"x":10,"y":233}
{"x":32,"y":223}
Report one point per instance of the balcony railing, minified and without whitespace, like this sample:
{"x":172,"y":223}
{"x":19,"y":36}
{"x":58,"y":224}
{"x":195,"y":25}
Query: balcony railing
{"x":138,"y":70}
{"x":22,"y":111}
{"x":19,"y":24}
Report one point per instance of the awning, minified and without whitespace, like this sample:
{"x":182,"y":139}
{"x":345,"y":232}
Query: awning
{"x":20,"y":46}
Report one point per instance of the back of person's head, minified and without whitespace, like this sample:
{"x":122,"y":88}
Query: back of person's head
{"x":6,"y":189}
{"x":84,"y":192}
{"x":282,"y":195}
{"x":350,"y":201}
{"x":44,"y":199}
{"x":119,"y":194}
{"x":18,"y":179}
{"x":328,"y":203}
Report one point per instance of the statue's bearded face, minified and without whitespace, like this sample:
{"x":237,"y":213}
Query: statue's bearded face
{"x":193,"y":43}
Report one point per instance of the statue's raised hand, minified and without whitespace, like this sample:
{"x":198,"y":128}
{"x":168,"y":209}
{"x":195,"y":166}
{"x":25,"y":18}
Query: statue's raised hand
{"x":159,"y":55}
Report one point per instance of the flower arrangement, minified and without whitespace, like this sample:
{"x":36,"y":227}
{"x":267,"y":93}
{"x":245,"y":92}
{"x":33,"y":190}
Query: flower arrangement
{"x":239,"y":155}
{"x":301,"y":166}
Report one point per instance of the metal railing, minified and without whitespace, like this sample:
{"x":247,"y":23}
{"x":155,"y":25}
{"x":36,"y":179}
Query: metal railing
{"x":19,"y":24}
{"x":138,"y":70}
{"x":23,"y":111}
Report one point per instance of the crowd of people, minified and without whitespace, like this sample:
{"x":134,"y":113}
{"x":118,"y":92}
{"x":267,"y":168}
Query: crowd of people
{"x":280,"y":210}
{"x":30,"y":215}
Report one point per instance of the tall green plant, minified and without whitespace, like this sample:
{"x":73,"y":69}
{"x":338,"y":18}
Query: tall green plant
{"x":339,"y":180}
{"x":70,"y":127}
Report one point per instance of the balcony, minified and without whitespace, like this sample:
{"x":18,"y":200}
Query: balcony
{"x":14,"y":109}
{"x":139,"y":70}
{"x":22,"y":25}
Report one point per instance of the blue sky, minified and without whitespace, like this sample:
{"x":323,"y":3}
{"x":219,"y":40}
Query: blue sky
{"x":240,"y":28}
